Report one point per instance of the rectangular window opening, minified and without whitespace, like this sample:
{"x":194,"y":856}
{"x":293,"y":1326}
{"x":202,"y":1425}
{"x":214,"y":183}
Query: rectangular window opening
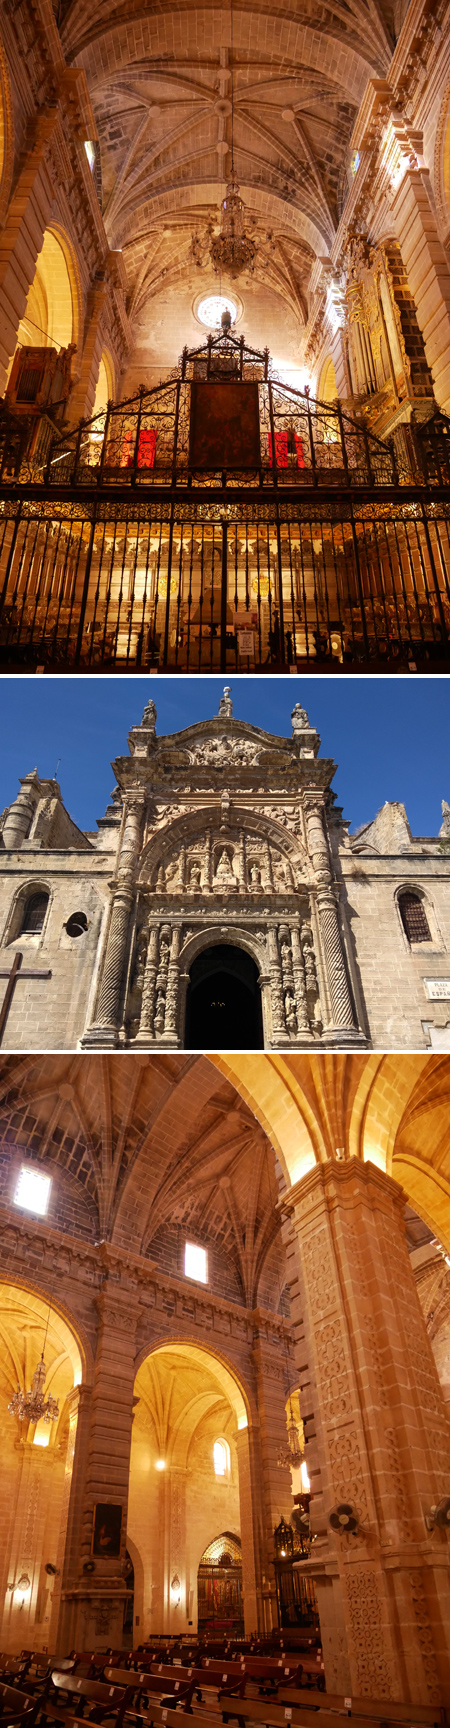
{"x":33,"y":1191}
{"x":195,"y":1263}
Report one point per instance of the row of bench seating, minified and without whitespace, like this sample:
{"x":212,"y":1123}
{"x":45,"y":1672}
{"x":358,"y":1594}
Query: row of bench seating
{"x":41,"y":1692}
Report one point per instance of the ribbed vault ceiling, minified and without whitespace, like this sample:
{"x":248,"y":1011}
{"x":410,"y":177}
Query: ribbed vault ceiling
{"x":160,"y":80}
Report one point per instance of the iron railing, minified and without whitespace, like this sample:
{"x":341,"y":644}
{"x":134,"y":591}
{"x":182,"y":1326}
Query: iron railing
{"x":329,"y":549}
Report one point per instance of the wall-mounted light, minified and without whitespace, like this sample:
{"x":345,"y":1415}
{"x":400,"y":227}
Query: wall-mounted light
{"x":160,"y":1464}
{"x":175,"y":1590}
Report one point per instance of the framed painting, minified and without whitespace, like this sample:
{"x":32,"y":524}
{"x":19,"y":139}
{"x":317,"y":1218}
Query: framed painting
{"x":106,"y":1530}
{"x":224,"y":429}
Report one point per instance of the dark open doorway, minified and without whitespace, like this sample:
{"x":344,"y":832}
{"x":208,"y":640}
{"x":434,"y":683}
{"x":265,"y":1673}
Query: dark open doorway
{"x":223,"y":1009}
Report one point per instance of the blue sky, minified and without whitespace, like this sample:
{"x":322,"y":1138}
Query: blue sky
{"x":389,"y":736}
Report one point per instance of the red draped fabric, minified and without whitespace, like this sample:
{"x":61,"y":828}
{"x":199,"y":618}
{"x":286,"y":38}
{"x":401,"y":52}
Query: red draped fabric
{"x":281,"y":450}
{"x":146,"y":449}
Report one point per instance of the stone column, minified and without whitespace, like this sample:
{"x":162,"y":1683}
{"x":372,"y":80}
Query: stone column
{"x":170,"y":1034}
{"x":276,"y":983}
{"x":299,"y":981}
{"x":97,"y":1599}
{"x":342,"y":1015}
{"x":80,"y":1403}
{"x":22,"y":237}
{"x":428,"y":273}
{"x":104,"y":1033}
{"x":268,"y":866}
{"x":268,"y":1356}
{"x":249,"y":1504}
{"x":82,"y":398}
{"x":385,"y":1440}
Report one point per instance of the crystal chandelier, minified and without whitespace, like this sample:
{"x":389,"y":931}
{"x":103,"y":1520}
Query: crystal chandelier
{"x":291,"y":1456}
{"x":232,"y":250}
{"x":33,"y":1406}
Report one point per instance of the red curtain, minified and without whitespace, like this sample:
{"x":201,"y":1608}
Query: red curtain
{"x":146,"y":449}
{"x":281,"y":450}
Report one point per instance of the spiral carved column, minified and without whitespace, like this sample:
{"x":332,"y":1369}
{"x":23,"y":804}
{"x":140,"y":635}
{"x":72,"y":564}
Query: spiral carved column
{"x":105,"y":1030}
{"x":342,"y":1015}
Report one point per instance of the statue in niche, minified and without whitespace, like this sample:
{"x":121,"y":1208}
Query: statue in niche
{"x":299,"y":719}
{"x":290,"y":1011}
{"x":160,"y":1011}
{"x":195,"y":876}
{"x":278,"y":872}
{"x":254,"y":876}
{"x":224,"y":876}
{"x":139,"y":963}
{"x":161,"y":879}
{"x":309,"y":961}
{"x":172,"y":872}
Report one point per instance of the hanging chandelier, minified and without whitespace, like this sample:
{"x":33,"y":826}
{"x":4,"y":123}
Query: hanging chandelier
{"x":232,"y":250}
{"x":34,"y":1406}
{"x":291,"y":1456}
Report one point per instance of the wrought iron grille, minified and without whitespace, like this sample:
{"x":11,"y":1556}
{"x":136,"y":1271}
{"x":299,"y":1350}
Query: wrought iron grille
{"x":116,"y":553}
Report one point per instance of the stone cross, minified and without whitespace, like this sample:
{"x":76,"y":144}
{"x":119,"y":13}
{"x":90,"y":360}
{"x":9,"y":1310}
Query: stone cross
{"x":12,"y":976}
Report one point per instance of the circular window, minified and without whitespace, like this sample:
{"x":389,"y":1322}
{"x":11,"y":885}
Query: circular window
{"x":77,"y":924}
{"x":209,"y":310}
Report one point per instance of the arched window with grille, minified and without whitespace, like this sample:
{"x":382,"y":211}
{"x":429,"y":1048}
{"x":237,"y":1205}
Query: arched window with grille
{"x":413,"y":916}
{"x":34,"y":913}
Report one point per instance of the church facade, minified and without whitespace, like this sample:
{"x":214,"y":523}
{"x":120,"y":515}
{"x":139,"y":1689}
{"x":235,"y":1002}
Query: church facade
{"x":222,"y":904}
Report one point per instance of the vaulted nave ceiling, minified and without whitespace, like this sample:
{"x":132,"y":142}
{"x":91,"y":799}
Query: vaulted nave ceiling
{"x":160,"y":82}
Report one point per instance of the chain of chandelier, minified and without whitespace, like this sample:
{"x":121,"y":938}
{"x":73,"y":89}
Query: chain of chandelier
{"x":233,"y":249}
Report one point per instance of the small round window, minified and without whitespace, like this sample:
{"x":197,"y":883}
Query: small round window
{"x":77,"y":924}
{"x":210,"y":310}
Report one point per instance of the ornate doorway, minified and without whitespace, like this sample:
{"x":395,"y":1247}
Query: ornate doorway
{"x":223,"y":1008}
{"x":220,"y":1586}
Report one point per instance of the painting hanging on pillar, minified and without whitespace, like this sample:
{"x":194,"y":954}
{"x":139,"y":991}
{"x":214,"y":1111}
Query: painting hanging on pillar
{"x":107,"y":1530}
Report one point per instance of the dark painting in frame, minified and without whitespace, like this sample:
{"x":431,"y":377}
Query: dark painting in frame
{"x":224,"y":430}
{"x":106,"y":1530}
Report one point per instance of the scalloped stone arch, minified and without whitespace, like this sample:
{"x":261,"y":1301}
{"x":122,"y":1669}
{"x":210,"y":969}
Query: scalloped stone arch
{"x":190,"y":828}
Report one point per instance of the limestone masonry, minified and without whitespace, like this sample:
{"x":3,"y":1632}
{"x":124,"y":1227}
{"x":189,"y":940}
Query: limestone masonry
{"x":222,"y":860}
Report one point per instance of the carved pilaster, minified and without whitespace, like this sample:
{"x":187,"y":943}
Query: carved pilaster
{"x":276,"y":982}
{"x":208,"y":863}
{"x":148,"y":992}
{"x":173,"y":982}
{"x":242,"y":864}
{"x":299,"y":981}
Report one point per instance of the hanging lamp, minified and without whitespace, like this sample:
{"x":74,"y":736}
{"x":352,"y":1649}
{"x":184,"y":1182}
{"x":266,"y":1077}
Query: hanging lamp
{"x":34,"y":1406}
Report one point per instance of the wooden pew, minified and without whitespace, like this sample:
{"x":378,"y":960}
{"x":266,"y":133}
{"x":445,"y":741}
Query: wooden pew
{"x":168,"y":1684}
{"x":17,"y":1707}
{"x":103,"y":1700}
{"x":310,"y":1715}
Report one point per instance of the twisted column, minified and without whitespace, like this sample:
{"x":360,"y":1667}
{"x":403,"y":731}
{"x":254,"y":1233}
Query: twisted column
{"x":105,"y":1029}
{"x":341,"y":1004}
